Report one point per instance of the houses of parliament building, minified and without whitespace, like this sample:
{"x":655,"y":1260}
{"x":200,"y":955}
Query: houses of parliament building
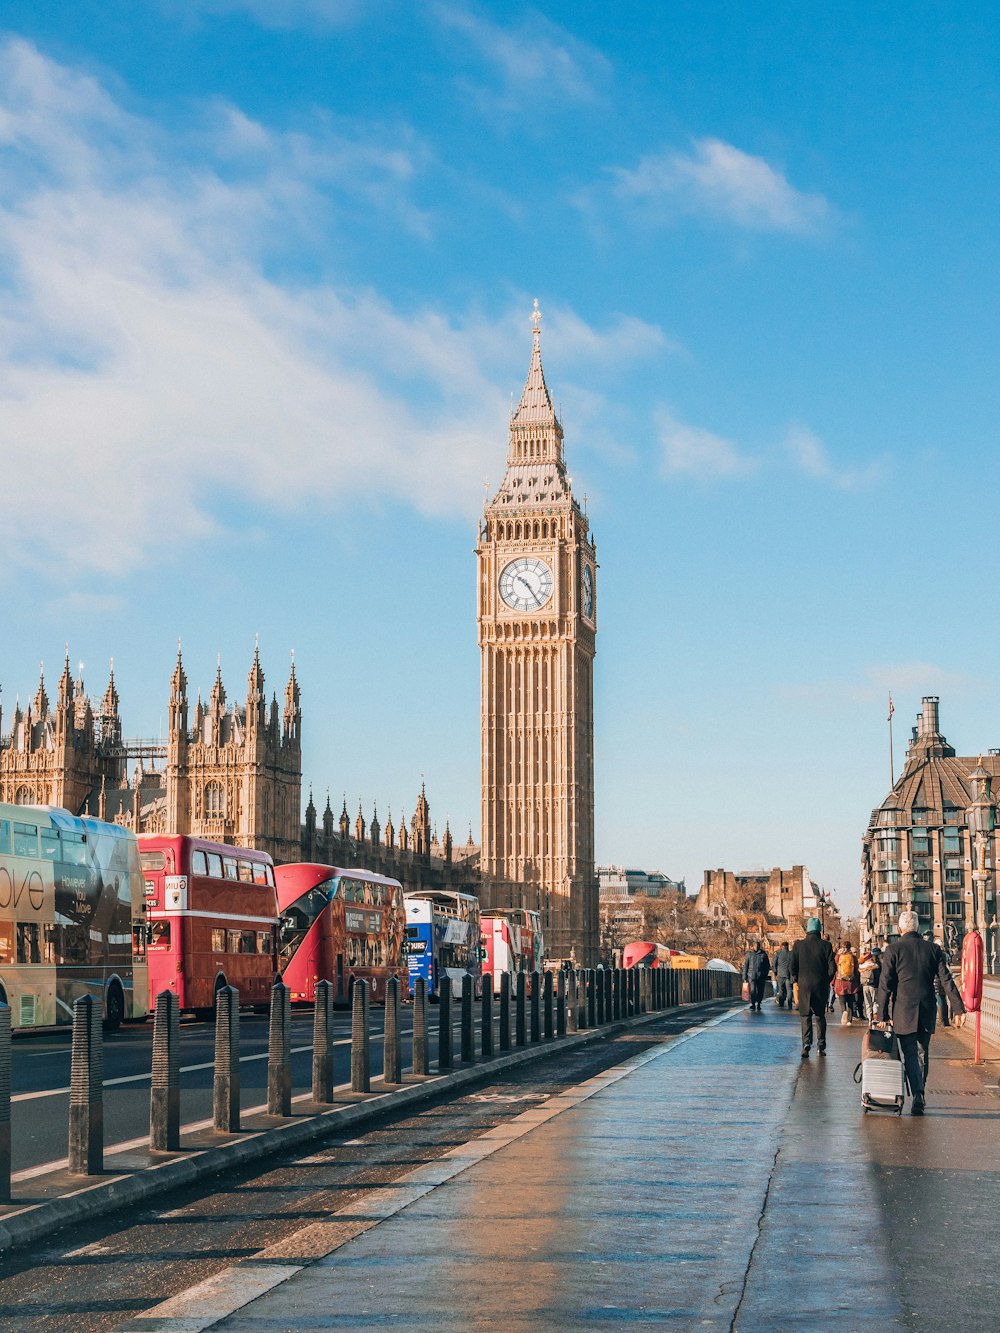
{"x":227,"y":771}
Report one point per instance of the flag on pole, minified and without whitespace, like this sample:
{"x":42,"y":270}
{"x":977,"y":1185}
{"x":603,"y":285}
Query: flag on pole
{"x":891,"y":710}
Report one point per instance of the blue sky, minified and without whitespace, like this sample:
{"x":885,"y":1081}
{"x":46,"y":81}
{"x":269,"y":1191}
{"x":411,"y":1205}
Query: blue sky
{"x":266,"y":268}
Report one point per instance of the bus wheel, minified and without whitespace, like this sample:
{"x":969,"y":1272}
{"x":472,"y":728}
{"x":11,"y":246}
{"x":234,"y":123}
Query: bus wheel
{"x":114,"y":1008}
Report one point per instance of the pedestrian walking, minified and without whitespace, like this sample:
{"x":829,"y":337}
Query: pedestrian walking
{"x":906,"y":996}
{"x":869,"y":971}
{"x":781,"y":966}
{"x":756,"y":966}
{"x":846,"y":983}
{"x":813,"y":969}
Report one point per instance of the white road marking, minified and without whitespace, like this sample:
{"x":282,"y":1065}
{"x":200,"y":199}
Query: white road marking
{"x":233,"y":1288}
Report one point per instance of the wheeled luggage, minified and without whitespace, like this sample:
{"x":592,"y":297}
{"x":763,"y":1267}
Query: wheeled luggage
{"x":883,"y":1083}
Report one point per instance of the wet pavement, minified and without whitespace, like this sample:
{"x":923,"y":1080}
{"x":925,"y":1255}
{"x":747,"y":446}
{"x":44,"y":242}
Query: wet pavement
{"x":714,"y":1180}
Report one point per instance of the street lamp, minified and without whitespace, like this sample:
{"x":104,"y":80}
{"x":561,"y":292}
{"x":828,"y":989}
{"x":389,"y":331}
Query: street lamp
{"x":981,"y":818}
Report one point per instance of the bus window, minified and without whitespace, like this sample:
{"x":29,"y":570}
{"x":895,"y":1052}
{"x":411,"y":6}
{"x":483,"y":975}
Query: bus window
{"x":138,"y":941}
{"x":248,"y":941}
{"x":152,"y":860}
{"x":259,"y":872}
{"x":50,"y":844}
{"x":263,"y":941}
{"x":229,"y":867}
{"x":245,"y":871}
{"x":6,"y":943}
{"x":4,"y":836}
{"x":74,"y":849}
{"x":218,"y":941}
{"x":270,"y":875}
{"x":25,"y":840}
{"x":28,"y":950}
{"x":199,"y":863}
{"x":159,"y":935}
{"x":215,"y":865}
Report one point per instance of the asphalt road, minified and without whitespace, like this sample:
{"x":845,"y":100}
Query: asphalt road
{"x":92,"y":1279}
{"x":41,"y":1073}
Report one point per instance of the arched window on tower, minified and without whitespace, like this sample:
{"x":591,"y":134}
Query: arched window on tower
{"x":215,"y":801}
{"x":24,"y":796}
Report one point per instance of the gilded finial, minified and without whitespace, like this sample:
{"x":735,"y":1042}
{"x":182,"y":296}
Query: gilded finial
{"x":536,"y":316}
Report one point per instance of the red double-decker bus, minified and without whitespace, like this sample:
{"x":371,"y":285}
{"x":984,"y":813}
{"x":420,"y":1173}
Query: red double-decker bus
{"x":339,"y":926}
{"x":213,"y":918}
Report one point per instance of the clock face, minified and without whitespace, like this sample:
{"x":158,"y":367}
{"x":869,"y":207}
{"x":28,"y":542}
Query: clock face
{"x":526,"y":584}
{"x":588,"y":591}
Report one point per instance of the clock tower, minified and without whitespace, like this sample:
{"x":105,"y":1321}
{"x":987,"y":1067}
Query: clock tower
{"x":537,"y":620}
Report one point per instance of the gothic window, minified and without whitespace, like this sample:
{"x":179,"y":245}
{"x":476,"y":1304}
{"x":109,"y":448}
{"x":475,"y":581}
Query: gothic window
{"x":24,"y":796}
{"x":265,"y":808}
{"x":215,"y":801}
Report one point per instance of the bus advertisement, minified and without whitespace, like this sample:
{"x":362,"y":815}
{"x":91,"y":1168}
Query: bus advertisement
{"x":339,"y":926}
{"x":512,"y":942}
{"x":443,"y":937}
{"x":71,"y":905}
{"x":213,"y":917}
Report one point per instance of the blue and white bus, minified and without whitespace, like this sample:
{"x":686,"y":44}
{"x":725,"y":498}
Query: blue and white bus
{"x":442,"y":938}
{"x":72,"y":917}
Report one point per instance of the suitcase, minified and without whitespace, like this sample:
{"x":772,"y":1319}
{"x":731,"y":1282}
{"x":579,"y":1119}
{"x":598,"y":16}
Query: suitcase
{"x":883,"y":1084}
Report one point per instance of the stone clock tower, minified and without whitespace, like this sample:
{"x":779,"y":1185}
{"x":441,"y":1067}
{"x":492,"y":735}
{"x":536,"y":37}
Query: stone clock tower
{"x":537,"y":621}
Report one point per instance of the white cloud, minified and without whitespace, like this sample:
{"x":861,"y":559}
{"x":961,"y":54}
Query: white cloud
{"x":534,"y":59}
{"x":278,"y":13}
{"x":155,"y":380}
{"x":695,"y":452}
{"x":719,"y":180}
{"x":809,"y":456}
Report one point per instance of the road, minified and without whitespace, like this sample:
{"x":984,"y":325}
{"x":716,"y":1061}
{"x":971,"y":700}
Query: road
{"x":41,"y":1072}
{"x":92,"y":1279}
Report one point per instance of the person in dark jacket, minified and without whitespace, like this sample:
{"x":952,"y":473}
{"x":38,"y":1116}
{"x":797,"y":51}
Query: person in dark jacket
{"x":781,"y":966}
{"x":756,"y":967}
{"x":910,"y":967}
{"x":813,"y":968}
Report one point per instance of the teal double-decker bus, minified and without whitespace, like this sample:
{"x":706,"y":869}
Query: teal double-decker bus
{"x":72,"y":917}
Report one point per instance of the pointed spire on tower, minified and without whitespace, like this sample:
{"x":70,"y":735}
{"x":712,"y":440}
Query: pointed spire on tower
{"x":255,"y":680}
{"x":293,"y":710}
{"x":178,"y":681}
{"x":218,"y":689}
{"x":66,"y":683}
{"x":345,"y":820}
{"x":535,"y":407}
{"x":359,"y":825}
{"x":40,"y":706}
{"x":110,"y":703}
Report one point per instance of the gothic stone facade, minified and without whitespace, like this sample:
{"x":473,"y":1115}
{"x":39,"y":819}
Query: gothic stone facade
{"x":537,"y":621}
{"x":779,"y":901}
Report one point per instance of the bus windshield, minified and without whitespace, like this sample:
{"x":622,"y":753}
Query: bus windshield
{"x":298,"y":917}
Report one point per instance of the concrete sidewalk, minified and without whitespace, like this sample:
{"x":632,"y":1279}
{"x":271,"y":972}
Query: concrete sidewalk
{"x":715,"y":1181}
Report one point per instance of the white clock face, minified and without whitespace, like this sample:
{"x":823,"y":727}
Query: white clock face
{"x":526,"y":584}
{"x":588,"y":591}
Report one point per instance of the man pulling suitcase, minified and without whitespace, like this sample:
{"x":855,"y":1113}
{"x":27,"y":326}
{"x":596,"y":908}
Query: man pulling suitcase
{"x":910,"y":966}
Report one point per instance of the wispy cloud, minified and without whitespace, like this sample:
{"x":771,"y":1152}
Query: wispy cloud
{"x":716,"y":179}
{"x":159,"y":376}
{"x":874,"y":684}
{"x":278,"y":13}
{"x":809,"y":456}
{"x":533,"y":58}
{"x":691,"y":451}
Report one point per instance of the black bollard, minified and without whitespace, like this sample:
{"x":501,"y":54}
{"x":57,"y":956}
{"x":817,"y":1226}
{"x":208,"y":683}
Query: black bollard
{"x":572,"y":1009}
{"x":644,"y":976}
{"x":561,"y":1003}
{"x":279,"y":1051}
{"x":392,"y":1051}
{"x":361,"y":1072}
{"x":520,"y":1035}
{"x":86,"y":1086}
{"x":547,"y":1026}
{"x":599,"y":1002}
{"x":616,"y":993}
{"x":468,"y":1026}
{"x":165,"y":1084}
{"x":486,"y":1018}
{"x":322,"y":1063}
{"x":4,"y":1103}
{"x":420,"y":1065}
{"x":505,"y":1011}
{"x":536,"y":1007}
{"x":591,"y":998}
{"x":581,"y":997}
{"x":444,"y":1024}
{"x":607,"y":995}
{"x":226,"y":1079}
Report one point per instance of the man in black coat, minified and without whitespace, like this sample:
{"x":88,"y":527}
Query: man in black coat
{"x":781,"y":966}
{"x":910,"y":966}
{"x":812,"y":966}
{"x":756,"y":967}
